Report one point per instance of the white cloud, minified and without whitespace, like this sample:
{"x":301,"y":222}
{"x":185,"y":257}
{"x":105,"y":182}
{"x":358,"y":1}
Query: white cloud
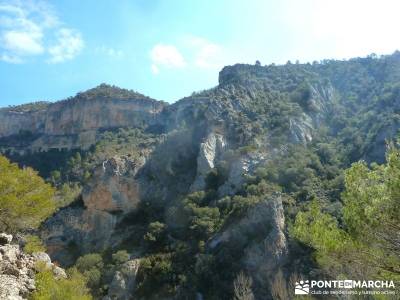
{"x":28,"y":28}
{"x":69,"y":44}
{"x":109,"y":51}
{"x":199,"y":53}
{"x":166,"y":56}
{"x":10,"y":59}
{"x":23,"y":42}
{"x":206,"y":54}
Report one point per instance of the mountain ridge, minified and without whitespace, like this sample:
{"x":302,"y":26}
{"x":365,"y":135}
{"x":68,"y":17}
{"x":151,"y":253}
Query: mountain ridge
{"x":205,"y":187}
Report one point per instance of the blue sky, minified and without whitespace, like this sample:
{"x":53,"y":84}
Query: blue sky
{"x":50,"y":50}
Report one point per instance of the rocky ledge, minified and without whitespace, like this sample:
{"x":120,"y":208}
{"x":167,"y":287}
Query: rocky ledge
{"x":18,"y":269}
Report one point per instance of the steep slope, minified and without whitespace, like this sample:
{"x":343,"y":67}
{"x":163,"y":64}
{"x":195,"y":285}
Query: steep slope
{"x":206,"y":184}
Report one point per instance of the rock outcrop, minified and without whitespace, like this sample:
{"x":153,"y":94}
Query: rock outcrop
{"x":243,"y":166}
{"x":262,"y":258}
{"x":209,"y":152}
{"x":17,"y":269}
{"x":111,"y":193}
{"x":123,"y":283}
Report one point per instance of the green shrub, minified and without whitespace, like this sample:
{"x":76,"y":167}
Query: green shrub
{"x":92,"y":267}
{"x":155,"y":232}
{"x":71,"y":288}
{"x":33,"y":244}
{"x":120,"y":257}
{"x":88,"y":261}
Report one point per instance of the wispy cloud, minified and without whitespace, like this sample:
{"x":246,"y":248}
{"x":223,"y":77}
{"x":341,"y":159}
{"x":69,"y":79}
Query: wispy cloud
{"x":69,"y":44}
{"x":31,"y":28}
{"x":198,"y":53}
{"x":166,"y":56}
{"x":207,"y":55}
{"x":109,"y":51}
{"x":10,"y":59}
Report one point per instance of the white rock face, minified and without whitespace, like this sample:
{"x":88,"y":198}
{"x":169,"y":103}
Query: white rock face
{"x":17,"y":271}
{"x":124,"y":281}
{"x":209,"y":152}
{"x":243,"y":166}
{"x":301,"y":130}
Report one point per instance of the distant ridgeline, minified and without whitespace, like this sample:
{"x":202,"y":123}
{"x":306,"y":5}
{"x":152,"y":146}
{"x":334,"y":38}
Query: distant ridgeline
{"x":355,"y":103}
{"x":363,"y":92}
{"x":74,"y":122}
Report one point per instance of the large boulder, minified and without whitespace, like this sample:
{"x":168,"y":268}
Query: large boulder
{"x":112,"y":193}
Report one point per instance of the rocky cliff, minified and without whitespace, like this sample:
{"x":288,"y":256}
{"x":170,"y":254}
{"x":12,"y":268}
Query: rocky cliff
{"x":111,"y":194}
{"x":74,"y":123}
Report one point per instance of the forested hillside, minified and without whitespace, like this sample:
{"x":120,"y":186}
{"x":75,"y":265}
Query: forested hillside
{"x":280,"y":172}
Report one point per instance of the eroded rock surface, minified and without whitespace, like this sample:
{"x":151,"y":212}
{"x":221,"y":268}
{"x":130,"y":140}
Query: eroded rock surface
{"x":112,"y":193}
{"x":124,"y":282}
{"x":17,"y":270}
{"x":262,"y":258}
{"x":210,"y":150}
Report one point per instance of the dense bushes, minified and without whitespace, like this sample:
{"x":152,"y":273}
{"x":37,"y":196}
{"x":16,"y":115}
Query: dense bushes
{"x":367,"y":244}
{"x":33,"y":244}
{"x":50,"y":288}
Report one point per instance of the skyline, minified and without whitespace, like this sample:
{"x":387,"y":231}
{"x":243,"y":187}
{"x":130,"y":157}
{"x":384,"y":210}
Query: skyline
{"x":168,"y":49}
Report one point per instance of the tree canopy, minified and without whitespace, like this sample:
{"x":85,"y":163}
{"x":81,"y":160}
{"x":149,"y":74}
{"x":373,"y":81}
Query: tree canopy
{"x":25,"y":199}
{"x":368,"y":242}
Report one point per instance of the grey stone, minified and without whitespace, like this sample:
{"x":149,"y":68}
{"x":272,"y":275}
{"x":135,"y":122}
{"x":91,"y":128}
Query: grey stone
{"x":5,"y":238}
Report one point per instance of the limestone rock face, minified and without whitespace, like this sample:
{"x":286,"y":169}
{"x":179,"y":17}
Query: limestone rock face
{"x":209,"y":152}
{"x":114,"y":188}
{"x":75,"y":230}
{"x":244,"y":165}
{"x":301,"y":130}
{"x":261,"y":258}
{"x":13,"y":122}
{"x":67,"y":117}
{"x":73,"y":123}
{"x":124,"y":281}
{"x":17,"y":271}
{"x":112,"y":193}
